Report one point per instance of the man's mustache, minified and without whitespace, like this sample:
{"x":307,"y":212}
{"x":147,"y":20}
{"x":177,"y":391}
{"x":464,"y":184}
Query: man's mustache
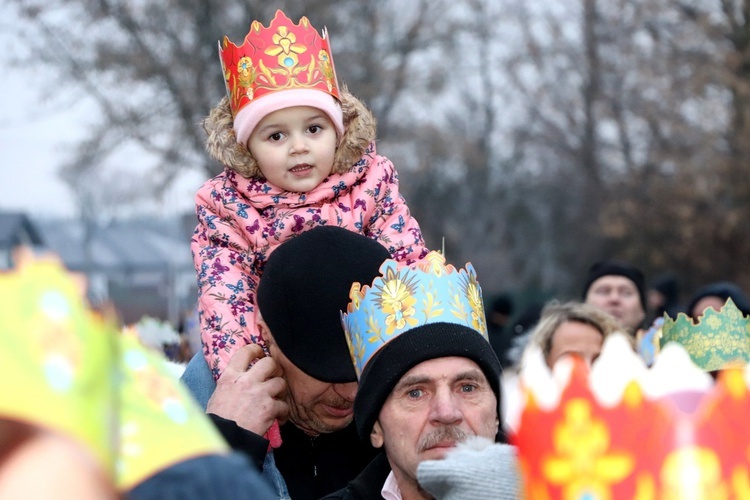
{"x":447,"y":433}
{"x":340,"y":403}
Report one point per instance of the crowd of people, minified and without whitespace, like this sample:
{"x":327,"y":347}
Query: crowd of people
{"x":619,"y":289}
{"x":341,"y":358}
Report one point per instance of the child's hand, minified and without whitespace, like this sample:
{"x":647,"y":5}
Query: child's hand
{"x":253,"y":398}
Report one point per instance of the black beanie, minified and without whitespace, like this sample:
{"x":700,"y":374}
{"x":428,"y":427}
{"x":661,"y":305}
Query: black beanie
{"x":303,"y":289}
{"x":723,"y":290}
{"x":433,"y":340}
{"x":617,"y":268}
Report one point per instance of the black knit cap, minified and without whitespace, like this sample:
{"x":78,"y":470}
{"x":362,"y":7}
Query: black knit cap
{"x":723,"y":290}
{"x":305,"y":286}
{"x":433,"y":340}
{"x":617,"y":268}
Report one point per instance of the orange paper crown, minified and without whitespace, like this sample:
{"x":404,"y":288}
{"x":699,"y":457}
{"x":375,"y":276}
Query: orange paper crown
{"x":685,"y":445}
{"x":280,"y":57}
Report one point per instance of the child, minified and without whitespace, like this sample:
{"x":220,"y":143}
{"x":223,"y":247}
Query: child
{"x":298,"y":152}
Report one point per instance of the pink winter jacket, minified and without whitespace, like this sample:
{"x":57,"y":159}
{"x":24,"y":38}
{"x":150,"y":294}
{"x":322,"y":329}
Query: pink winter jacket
{"x":242,"y":220}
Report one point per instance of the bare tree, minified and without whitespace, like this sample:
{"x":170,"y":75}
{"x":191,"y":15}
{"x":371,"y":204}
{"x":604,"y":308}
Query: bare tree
{"x":534,"y":137}
{"x":152,"y":70}
{"x":630,"y":133}
{"x":679,"y":206}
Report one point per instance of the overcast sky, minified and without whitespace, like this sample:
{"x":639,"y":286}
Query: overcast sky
{"x":29,"y":139}
{"x":33,"y":136}
{"x":33,"y":140}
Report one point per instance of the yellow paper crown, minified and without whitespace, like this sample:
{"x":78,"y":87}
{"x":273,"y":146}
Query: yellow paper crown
{"x":720,"y":339}
{"x":159,"y":422}
{"x":56,"y":357}
{"x":65,"y":368}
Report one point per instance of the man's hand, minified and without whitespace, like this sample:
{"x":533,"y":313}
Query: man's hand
{"x":253,"y":398}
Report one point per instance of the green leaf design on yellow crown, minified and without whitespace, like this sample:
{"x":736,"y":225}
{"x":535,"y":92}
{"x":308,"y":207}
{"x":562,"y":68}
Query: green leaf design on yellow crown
{"x":719,"y":340}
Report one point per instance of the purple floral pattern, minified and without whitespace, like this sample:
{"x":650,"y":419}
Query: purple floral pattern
{"x":241,"y":221}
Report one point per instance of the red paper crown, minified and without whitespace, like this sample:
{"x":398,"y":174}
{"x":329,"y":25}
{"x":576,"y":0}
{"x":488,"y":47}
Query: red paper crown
{"x":281,"y":57}
{"x":640,"y":447}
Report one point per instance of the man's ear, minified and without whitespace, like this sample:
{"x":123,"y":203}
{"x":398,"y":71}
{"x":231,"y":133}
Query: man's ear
{"x":265,"y":333}
{"x":376,"y":435}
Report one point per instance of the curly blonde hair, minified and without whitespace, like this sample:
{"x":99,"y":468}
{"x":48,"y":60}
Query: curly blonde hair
{"x":222,"y":145}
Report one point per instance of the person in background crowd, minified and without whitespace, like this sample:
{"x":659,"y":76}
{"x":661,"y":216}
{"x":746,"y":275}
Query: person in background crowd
{"x":499,"y":327}
{"x":663,"y":296}
{"x":619,"y":289}
{"x":573,"y":328}
{"x":522,"y":330}
{"x":715,"y":295}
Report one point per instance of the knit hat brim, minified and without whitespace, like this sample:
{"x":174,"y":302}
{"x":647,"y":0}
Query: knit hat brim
{"x":423,"y":343}
{"x":249,"y":116}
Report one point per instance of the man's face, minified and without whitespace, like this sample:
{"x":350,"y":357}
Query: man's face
{"x":315,"y":406}
{"x":435,"y":405}
{"x":618,"y":296}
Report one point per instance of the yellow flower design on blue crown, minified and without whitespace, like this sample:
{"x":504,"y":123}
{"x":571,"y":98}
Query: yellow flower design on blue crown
{"x":354,"y":295}
{"x":407,"y":297}
{"x":474,"y":294}
{"x":434,"y":263}
{"x":397,"y":302}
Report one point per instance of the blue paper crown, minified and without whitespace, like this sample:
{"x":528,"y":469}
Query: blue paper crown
{"x":408,"y":297}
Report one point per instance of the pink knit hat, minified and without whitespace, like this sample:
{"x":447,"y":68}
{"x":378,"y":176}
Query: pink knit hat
{"x":250,"y":115}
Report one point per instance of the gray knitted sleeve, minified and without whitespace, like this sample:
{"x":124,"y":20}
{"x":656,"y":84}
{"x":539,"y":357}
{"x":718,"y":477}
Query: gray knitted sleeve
{"x":477,"y":469}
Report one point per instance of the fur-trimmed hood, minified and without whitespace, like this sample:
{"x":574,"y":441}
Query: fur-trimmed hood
{"x":359,"y":132}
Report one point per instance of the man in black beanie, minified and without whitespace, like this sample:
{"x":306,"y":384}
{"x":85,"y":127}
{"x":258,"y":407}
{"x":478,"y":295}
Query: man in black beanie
{"x":428,"y":377}
{"x":715,"y":295}
{"x":306,"y":374}
{"x":620,"y":289}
